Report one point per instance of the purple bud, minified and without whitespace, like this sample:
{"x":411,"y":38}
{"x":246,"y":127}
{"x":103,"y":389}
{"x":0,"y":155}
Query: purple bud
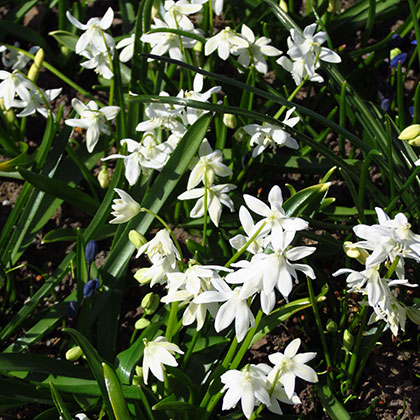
{"x":71,"y":309}
{"x":91,"y":251}
{"x":385,"y":104}
{"x":414,"y":42}
{"x":90,"y":288}
{"x":398,"y":58}
{"x":411,"y":110}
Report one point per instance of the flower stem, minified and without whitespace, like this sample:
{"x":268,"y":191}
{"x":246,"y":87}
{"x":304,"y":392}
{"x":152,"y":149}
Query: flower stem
{"x":242,"y":250}
{"x":170,"y":329}
{"x":206,"y":189}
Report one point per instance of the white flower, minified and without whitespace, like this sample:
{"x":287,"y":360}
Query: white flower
{"x":127,"y":45}
{"x":36,"y":102}
{"x":225,"y":42}
{"x":176,"y":13}
{"x":158,"y":353}
{"x":275,"y":219}
{"x":125,"y":208}
{"x":235,"y":307}
{"x":94,"y":38}
{"x":93,"y":119}
{"x":143,"y":155}
{"x":300,"y":68}
{"x":191,"y":115}
{"x":12,"y":84}
{"x":99,"y":62}
{"x":255,"y":50}
{"x":289,"y":365}
{"x":217,"y":6}
{"x":216,"y":196}
{"x":207,"y":166}
{"x":248,"y":385}
{"x":15,"y":59}
{"x":163,"y":116}
{"x":310,"y":45}
{"x":160,"y":247}
{"x":273,"y":136}
{"x":166,"y":42}
{"x":248,"y":225}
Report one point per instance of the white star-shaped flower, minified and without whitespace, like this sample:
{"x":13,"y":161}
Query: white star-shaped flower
{"x":158,"y":353}
{"x":125,"y":207}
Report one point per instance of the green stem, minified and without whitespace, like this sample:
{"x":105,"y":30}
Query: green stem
{"x":416,"y":25}
{"x":170,"y":330}
{"x":206,"y":190}
{"x":190,"y":349}
{"x":291,"y":97}
{"x":238,"y":253}
{"x":318,"y":323}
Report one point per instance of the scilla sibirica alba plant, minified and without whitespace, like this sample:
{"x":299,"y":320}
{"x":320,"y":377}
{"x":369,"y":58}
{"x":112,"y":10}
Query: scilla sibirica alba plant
{"x":209,"y":212}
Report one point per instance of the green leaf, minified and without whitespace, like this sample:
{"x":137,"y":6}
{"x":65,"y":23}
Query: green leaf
{"x":330,"y":403}
{"x":305,"y":200}
{"x":115,"y":394}
{"x":59,"y":403}
{"x":70,"y":234}
{"x":65,"y":38}
{"x":20,"y":160}
{"x":62,"y":190}
{"x":95,"y":363}
{"x":169,"y":404}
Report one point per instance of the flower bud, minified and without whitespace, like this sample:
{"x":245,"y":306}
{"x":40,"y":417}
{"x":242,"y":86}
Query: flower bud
{"x":90,"y":288}
{"x":348,"y":340}
{"x":36,"y":66}
{"x":136,"y":238}
{"x":283,"y":6}
{"x":229,"y":120}
{"x":198,"y":47}
{"x":74,"y":353}
{"x":332,"y":326}
{"x":155,"y":8}
{"x":394,"y":52}
{"x":352,"y":251}
{"x":72,"y":310}
{"x":150,"y":303}
{"x":141,"y":324}
{"x":90,"y":251}
{"x":139,"y":276}
{"x":103,"y":178}
{"x":240,"y":135}
{"x":410,"y":132}
{"x":334,"y":6}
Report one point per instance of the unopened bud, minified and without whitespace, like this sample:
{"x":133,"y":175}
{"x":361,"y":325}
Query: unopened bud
{"x":240,"y":135}
{"x":394,"y":52}
{"x":229,"y":120}
{"x":410,"y":132}
{"x":36,"y":66}
{"x":283,"y":6}
{"x":348,"y":340}
{"x":136,"y":238}
{"x":198,"y":47}
{"x":90,"y":288}
{"x":138,"y":377}
{"x":352,"y":251}
{"x":74,"y":353}
{"x":90,"y":251}
{"x":141,"y":324}
{"x":332,"y":326}
{"x":150,"y":303}
{"x":140,"y":276}
{"x":155,"y":8}
{"x":103,"y":177}
{"x":72,"y":309}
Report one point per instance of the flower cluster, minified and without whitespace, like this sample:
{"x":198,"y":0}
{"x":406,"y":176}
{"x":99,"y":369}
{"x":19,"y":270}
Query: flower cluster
{"x":205,"y":168}
{"x":389,"y":243}
{"x":264,"y":384}
{"x":95,"y":44}
{"x":305,"y":53}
